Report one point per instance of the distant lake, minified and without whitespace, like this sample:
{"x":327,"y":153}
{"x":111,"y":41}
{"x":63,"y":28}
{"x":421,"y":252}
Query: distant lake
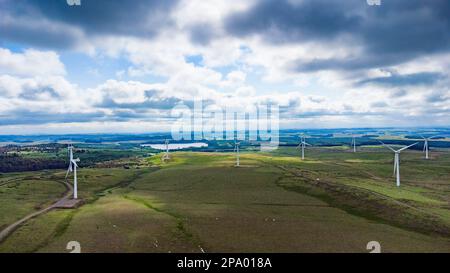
{"x":176,"y":146}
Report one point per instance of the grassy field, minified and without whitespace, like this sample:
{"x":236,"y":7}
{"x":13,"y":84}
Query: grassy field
{"x":23,"y":193}
{"x":335,"y":201}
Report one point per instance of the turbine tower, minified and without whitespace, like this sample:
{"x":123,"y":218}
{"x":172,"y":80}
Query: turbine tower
{"x":302,"y":145}
{"x":426,"y":146}
{"x":354,"y":143}
{"x":236,"y":150}
{"x":73,"y":168}
{"x":397,"y":160}
{"x":166,"y":154}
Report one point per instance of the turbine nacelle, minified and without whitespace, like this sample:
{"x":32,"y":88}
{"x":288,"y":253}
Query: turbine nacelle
{"x":74,"y":162}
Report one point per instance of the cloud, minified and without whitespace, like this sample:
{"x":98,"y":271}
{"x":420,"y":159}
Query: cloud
{"x":405,"y":80}
{"x":26,"y":117}
{"x":399,"y":93}
{"x":202,"y":33}
{"x":55,"y":24}
{"x":393,"y":33}
{"x":348,"y":63}
{"x":286,"y":21}
{"x":438,"y":96}
{"x":325,"y":62}
{"x":37,"y":88}
{"x":30,"y":63}
{"x":39,"y":32}
{"x":379,"y":104}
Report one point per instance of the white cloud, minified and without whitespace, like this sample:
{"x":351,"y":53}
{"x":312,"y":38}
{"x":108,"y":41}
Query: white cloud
{"x":230,"y":71}
{"x":30,"y":63}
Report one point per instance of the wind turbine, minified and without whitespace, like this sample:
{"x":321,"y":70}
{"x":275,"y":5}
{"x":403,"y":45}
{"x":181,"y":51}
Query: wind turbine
{"x":426,"y":146}
{"x":166,"y":154}
{"x":73,"y":168}
{"x":354,"y":143}
{"x":303,"y":145}
{"x":397,"y":160}
{"x":236,"y":150}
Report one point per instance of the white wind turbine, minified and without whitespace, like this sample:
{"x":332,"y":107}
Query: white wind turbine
{"x":397,"y":160}
{"x":426,"y":145}
{"x":302,"y":145}
{"x":166,"y":154}
{"x":354,"y":143}
{"x":236,"y":150}
{"x":73,"y":168}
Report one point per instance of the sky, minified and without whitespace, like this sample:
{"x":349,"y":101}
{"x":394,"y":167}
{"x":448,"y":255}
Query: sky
{"x":123,"y":66}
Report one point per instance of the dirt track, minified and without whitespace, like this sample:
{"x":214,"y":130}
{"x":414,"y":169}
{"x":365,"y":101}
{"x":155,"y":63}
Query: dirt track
{"x":11,"y":228}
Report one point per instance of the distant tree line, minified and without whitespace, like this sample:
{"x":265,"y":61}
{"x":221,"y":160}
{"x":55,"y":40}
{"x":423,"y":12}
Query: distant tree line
{"x":16,"y":163}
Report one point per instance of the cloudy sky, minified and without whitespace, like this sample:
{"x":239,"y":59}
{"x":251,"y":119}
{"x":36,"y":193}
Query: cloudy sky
{"x":121,"y":66}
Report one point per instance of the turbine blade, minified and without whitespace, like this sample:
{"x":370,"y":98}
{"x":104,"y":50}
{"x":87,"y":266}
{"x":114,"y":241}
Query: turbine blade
{"x":404,"y":148}
{"x":74,"y":162}
{"x":67,"y":173}
{"x":389,"y":147}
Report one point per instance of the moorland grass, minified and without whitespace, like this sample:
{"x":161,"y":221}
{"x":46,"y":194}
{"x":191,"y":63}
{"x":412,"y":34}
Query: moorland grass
{"x":199,"y":201}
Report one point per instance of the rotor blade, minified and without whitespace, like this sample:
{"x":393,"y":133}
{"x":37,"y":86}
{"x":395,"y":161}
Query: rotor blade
{"x":74,"y":161}
{"x":435,"y":136}
{"x":389,"y":147}
{"x":404,"y":148}
{"x":67,"y":173}
{"x":307,"y":144}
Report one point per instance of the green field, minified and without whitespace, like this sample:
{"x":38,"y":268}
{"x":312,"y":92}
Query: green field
{"x":334,"y":201}
{"x":23,"y":193}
